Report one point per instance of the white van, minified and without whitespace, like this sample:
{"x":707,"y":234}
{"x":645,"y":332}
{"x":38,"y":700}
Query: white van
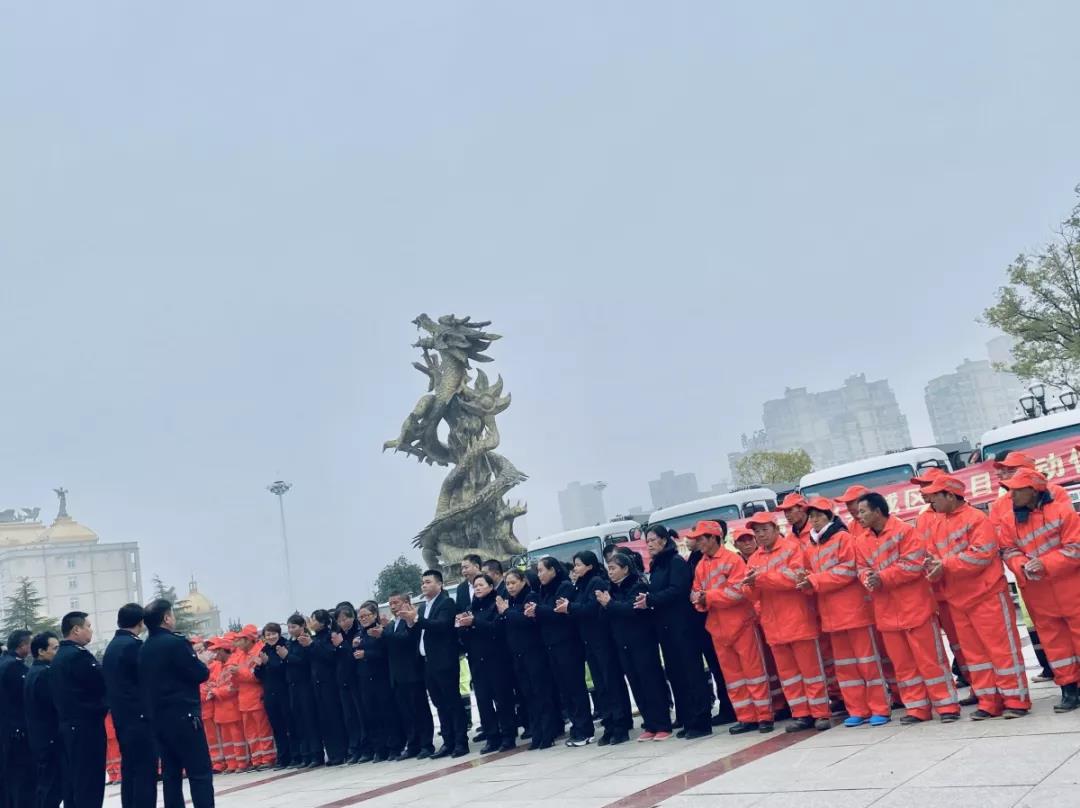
{"x":730,"y":507}
{"x":873,"y":472}
{"x":564,"y":545}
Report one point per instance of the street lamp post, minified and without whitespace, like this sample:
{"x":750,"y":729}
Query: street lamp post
{"x":279,"y":488}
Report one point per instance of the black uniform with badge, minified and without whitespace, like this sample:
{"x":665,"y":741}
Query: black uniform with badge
{"x":18,"y":782}
{"x":305,"y":713}
{"x":169,"y":677}
{"x":78,"y":690}
{"x":135,"y":735}
{"x":43,"y":727}
{"x":276,"y":702}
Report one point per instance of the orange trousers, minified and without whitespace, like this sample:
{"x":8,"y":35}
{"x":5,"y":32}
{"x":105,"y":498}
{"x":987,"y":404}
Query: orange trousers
{"x":232,"y":744}
{"x":995,"y":663}
{"x":775,"y":691}
{"x":259,"y":737}
{"x":112,"y":755}
{"x":1060,"y":639}
{"x":746,"y":675}
{"x":830,"y":669}
{"x":922,"y":669}
{"x":945,"y":617}
{"x":217,"y":756}
{"x":860,"y":672}
{"x":802,"y":676}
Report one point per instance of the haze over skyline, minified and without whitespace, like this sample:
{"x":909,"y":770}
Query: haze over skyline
{"x":217,"y":223}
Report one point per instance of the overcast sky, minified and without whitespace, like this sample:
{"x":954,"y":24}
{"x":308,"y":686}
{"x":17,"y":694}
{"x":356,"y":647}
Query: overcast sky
{"x":217,"y":221}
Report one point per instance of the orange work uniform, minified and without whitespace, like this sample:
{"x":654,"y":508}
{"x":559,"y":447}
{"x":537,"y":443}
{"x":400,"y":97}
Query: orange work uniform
{"x":790,"y":622}
{"x":227,"y":717}
{"x":905,"y":614}
{"x":732,"y":623}
{"x":256,"y":724}
{"x":217,"y":755}
{"x":848,"y":617}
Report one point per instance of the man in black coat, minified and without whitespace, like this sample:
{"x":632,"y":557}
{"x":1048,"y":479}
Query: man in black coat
{"x":169,"y":677}
{"x":138,"y":752}
{"x":18,"y":785}
{"x":78,"y":689}
{"x":42,"y":723}
{"x":438,"y":645}
{"x":407,"y":682}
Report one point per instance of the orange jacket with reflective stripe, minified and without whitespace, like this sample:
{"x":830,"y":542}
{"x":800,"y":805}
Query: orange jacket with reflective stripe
{"x":249,"y":689}
{"x":904,"y":599}
{"x":801,"y":536}
{"x":223,"y":688}
{"x":1052,"y":535}
{"x":787,"y":614}
{"x":204,"y":690}
{"x":924,"y":527}
{"x":1001,"y":509}
{"x":843,"y":601}
{"x":966,"y":544}
{"x":727,"y":609}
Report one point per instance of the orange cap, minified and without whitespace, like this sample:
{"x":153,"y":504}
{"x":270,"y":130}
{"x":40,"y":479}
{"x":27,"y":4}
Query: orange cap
{"x":855,"y":492}
{"x":249,"y":631}
{"x":945,"y":484}
{"x":743,"y":533}
{"x":792,"y":500}
{"x":705,"y":528}
{"x":1016,"y":460}
{"x":928,"y":476}
{"x":1026,"y":478}
{"x":761,"y":518}
{"x":820,"y":504}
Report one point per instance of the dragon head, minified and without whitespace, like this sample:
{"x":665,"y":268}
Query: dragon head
{"x":455,"y":337}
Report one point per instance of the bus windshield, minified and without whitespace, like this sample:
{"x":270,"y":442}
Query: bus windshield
{"x":565,"y":552}
{"x":995,"y":450}
{"x":831,"y":489}
{"x":680,"y":524}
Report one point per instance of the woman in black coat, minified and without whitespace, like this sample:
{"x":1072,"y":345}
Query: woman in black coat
{"x":668,"y":597}
{"x":270,"y":671}
{"x":565,"y":651}
{"x":324,"y":679}
{"x":531,"y":668}
{"x":636,"y":642}
{"x":483,"y":635}
{"x":609,"y":684}
{"x":373,"y":682}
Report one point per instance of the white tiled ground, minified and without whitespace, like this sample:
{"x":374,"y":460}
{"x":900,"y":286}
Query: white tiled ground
{"x":1034,"y":761}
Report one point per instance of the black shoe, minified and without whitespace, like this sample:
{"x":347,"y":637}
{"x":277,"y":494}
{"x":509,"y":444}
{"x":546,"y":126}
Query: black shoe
{"x":720,"y":719}
{"x":969,"y":701}
{"x":982,"y":715}
{"x":783,"y":715}
{"x":298,"y":764}
{"x":534,"y":744}
{"x":316,"y":764}
{"x":1014,"y":712}
{"x":444,"y":751}
{"x":908,"y":720}
{"x":506,"y":746}
{"x":479,"y":737}
{"x":579,"y":741}
{"x":605,"y":740}
{"x":526,"y":734}
{"x":619,"y":737}
{"x":948,"y":718}
{"x":367,"y":757}
{"x":546,"y":744}
{"x":425,"y":753}
{"x":739,"y":727}
{"x":676,"y":724}
{"x":489,"y":747}
{"x":800,"y":724}
{"x":681,"y":733}
{"x":281,"y":767}
{"x":382,"y":757}
{"x":460,"y":751}
{"x":336,"y":762}
{"x":692,"y":734}
{"x":765,"y":726}
{"x":823,"y":724}
{"x":1070,"y":699}
{"x":354,"y":759}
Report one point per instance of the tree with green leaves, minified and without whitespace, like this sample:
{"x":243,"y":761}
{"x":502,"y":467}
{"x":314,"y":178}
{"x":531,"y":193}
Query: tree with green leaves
{"x":185,"y":623}
{"x":1040,"y":309}
{"x":23,"y":610}
{"x":771,"y":468}
{"x":401,"y":575}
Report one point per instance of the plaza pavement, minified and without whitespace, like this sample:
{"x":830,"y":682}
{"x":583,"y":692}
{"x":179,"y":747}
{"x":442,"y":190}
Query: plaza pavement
{"x":1033,"y":761}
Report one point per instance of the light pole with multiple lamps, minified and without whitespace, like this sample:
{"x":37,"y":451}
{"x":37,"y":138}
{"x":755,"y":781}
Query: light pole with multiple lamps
{"x":279,"y":488}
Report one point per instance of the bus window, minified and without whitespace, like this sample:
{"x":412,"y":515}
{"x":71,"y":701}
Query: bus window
{"x":681,"y":524}
{"x":879,"y":478}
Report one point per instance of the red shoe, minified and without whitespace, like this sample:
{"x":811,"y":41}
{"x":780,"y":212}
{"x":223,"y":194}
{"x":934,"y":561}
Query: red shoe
{"x":646,"y":736}
{"x":661,"y":736}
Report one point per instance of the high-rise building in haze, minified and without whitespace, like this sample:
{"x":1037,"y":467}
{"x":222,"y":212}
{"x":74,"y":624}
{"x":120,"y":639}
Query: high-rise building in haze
{"x":582,"y":504}
{"x":673,"y":489}
{"x":975,"y":398}
{"x":859,"y":419}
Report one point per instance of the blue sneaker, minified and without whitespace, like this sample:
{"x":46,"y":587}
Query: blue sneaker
{"x":880,"y":720}
{"x":854,"y":721}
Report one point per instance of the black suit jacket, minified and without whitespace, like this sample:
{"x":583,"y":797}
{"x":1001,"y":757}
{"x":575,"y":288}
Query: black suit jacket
{"x":403,"y":644}
{"x":440,"y":637}
{"x":462,"y":597}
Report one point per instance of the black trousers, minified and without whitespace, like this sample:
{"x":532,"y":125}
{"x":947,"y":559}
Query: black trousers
{"x":414,"y":716}
{"x":84,"y":761}
{"x":49,"y":768}
{"x":138,"y":764}
{"x":685,"y":671}
{"x":641,"y":662}
{"x":495,"y":700}
{"x":609,"y":686}
{"x":277,"y":710}
{"x":380,"y":717}
{"x":443,"y":687}
{"x":305,"y":714}
{"x":19,"y":784}
{"x":352,"y":715}
{"x":568,"y":668}
{"x":181,"y":739}
{"x":538,"y":690}
{"x":330,"y":721}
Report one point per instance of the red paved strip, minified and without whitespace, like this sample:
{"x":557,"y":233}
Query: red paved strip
{"x":364,"y":796}
{"x":264,"y":781}
{"x":655,"y":794}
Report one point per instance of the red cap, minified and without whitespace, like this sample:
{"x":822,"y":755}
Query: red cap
{"x":249,"y":631}
{"x":820,"y":504}
{"x":792,"y":500}
{"x":743,"y":533}
{"x":1016,"y":460}
{"x":928,"y":476}
{"x":705,"y":528}
{"x":761,"y":518}
{"x":1026,"y":478}
{"x":213,"y":643}
{"x":855,"y":492}
{"x":945,"y":484}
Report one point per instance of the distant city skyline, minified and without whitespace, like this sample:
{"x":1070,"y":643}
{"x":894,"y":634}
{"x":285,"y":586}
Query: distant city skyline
{"x":582,"y":504}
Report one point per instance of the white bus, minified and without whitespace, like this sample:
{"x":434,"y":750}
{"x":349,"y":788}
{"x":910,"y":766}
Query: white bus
{"x":730,"y":507}
{"x":563,"y":546}
{"x":873,"y":472}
